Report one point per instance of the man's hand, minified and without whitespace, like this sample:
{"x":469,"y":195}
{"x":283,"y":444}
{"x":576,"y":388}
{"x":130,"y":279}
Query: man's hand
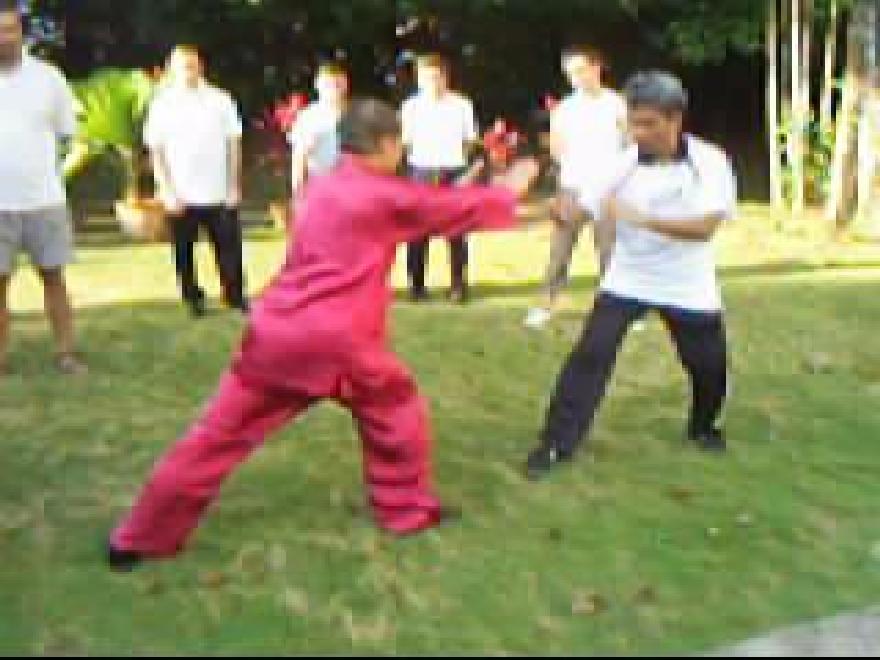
{"x":233,"y":197}
{"x":173,"y":206}
{"x":519,"y":177}
{"x":614,"y":210}
{"x":473,"y":173}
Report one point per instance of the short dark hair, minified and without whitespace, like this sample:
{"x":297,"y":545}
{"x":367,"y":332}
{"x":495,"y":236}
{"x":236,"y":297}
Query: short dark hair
{"x":591,"y":53}
{"x":187,"y":49}
{"x":433,"y":61}
{"x":331,"y":68}
{"x":658,"y":89}
{"x":366,"y":121}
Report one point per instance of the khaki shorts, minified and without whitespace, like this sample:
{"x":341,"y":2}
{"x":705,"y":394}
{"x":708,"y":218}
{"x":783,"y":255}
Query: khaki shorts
{"x":44,"y":234}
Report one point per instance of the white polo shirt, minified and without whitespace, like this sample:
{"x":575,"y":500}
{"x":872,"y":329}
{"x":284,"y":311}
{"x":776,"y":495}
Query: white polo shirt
{"x":437,"y":130}
{"x":653,"y":268}
{"x":37,"y":107}
{"x":590,"y":130}
{"x":317,"y":130}
{"x":193,"y":128}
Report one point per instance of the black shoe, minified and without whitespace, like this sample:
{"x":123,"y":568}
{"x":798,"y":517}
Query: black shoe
{"x":197,"y":307}
{"x":712,"y":440}
{"x":122,"y":561}
{"x":419,"y":295}
{"x":243,"y":305}
{"x":543,"y":460}
{"x":449,"y":514}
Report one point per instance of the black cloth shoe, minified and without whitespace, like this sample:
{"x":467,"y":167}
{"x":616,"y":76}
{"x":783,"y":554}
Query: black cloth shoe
{"x":243,"y":305}
{"x":419,"y":295}
{"x":543,"y":460}
{"x":122,"y":561}
{"x":712,"y":440}
{"x":197,"y":307}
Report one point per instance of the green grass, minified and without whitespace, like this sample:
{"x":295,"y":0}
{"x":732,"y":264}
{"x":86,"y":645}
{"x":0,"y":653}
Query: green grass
{"x":611,"y":556}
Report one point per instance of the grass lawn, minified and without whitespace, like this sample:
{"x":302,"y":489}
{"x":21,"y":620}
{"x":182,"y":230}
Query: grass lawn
{"x":641,"y":546}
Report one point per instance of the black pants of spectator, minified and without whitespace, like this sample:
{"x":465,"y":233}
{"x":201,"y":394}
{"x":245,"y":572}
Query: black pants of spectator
{"x":224,"y":231}
{"x":418,"y":252}
{"x":702,"y":347}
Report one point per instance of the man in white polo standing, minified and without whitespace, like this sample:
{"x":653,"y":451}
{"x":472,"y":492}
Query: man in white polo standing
{"x":439,"y":129}
{"x":193,"y":130}
{"x":587,"y":132}
{"x":36,"y":111}
{"x":314,"y":137}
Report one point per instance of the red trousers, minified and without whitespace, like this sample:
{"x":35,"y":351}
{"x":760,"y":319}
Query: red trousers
{"x":393,"y":424}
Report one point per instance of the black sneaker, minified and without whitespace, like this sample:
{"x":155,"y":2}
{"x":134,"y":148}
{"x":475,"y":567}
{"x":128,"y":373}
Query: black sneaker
{"x":197,"y":307}
{"x":243,"y":306}
{"x":543,"y":460}
{"x":419,"y":295}
{"x":122,"y":561}
{"x":712,"y":440}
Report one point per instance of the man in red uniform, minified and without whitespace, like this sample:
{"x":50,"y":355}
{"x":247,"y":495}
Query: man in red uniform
{"x":318,"y":332}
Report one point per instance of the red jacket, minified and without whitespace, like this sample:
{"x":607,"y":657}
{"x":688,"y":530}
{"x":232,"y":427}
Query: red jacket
{"x":323,"y":317}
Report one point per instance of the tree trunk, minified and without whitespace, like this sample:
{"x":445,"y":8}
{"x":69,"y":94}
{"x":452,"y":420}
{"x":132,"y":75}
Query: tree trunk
{"x":796,"y":132}
{"x":826,"y":105}
{"x":772,"y":44}
{"x":841,"y":206}
{"x":868,"y":120}
{"x":785,"y":78}
{"x":805,"y":109}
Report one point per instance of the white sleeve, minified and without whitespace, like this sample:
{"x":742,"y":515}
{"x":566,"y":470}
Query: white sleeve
{"x":591,"y":196}
{"x":153,"y":130}
{"x":406,"y":122}
{"x":64,"y":108}
{"x":718,"y":187}
{"x":471,"y":132}
{"x":302,"y":134}
{"x":557,"y":118}
{"x":234,"y":125}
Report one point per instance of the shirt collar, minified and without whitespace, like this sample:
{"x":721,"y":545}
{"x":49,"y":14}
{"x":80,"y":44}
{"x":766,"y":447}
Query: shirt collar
{"x":682,"y":155}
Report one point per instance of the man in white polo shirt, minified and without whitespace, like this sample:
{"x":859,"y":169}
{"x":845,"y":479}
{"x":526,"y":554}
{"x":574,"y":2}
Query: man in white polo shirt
{"x":36,"y":110}
{"x":439,"y":129}
{"x":193,"y":130}
{"x":587,"y":132}
{"x":314,"y":137}
{"x":666,"y":198}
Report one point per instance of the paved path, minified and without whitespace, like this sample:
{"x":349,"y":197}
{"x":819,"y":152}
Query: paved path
{"x":855,"y":635}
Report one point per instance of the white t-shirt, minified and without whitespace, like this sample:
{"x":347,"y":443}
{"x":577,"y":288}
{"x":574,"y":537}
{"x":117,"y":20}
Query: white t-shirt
{"x":590,"y":129}
{"x":653,"y":268}
{"x":317,"y":129}
{"x":437,"y":130}
{"x":37,"y":107}
{"x":193,"y":128}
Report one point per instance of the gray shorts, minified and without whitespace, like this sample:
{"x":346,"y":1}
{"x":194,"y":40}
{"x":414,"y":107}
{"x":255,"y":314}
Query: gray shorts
{"x":44,"y":234}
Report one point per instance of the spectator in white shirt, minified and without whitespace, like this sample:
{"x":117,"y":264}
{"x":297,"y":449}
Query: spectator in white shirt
{"x":314,"y":137}
{"x":36,"y":111}
{"x":587,"y":131}
{"x":193,"y":130}
{"x":666,"y":197}
{"x":439,"y":130}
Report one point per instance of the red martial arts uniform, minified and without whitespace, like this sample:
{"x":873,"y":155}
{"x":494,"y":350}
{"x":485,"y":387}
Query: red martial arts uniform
{"x":319,"y":332}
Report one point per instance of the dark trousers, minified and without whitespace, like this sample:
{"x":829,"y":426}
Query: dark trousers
{"x":702,"y":347}
{"x":224,"y":231}
{"x":418,"y":251}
